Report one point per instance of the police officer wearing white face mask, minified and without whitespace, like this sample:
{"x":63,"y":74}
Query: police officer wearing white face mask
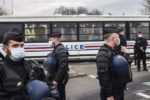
{"x":60,"y":76}
{"x":15,"y":71}
{"x":140,"y":48}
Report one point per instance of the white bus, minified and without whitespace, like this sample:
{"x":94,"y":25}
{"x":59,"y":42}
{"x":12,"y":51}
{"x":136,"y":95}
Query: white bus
{"x":81,"y":35}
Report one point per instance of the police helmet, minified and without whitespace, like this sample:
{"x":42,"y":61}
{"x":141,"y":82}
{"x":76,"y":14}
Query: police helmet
{"x":119,"y":63}
{"x":37,"y":90}
{"x":50,"y":64}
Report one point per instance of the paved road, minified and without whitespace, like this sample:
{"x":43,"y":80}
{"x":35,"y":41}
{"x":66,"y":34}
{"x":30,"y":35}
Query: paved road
{"x":87,"y":87}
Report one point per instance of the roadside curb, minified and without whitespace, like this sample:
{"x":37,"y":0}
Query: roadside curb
{"x":73,"y":74}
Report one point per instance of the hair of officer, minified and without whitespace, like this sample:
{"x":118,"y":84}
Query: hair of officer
{"x":107,"y":36}
{"x":110,"y":37}
{"x":108,"y":32}
{"x":15,"y":36}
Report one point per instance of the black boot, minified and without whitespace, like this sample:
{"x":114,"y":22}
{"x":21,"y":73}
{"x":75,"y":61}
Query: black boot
{"x":138,"y":68}
{"x":145,"y":69}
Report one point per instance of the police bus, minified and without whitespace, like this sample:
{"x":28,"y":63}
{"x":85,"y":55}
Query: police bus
{"x":81,"y":35}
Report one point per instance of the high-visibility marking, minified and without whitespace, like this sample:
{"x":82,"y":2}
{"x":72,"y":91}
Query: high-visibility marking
{"x":143,"y":95}
{"x":146,"y":83}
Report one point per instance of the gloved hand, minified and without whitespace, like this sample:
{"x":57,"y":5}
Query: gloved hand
{"x":53,"y":88}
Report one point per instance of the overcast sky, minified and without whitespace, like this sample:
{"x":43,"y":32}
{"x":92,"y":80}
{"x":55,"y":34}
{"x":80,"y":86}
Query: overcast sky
{"x":46,"y":7}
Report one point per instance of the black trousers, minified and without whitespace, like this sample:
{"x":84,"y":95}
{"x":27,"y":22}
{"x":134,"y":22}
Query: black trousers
{"x":62,"y":91}
{"x":61,"y":88}
{"x":141,"y":56}
{"x":118,"y":94}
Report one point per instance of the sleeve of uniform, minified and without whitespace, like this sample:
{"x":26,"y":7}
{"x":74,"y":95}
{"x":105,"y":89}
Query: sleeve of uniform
{"x":63,"y":64}
{"x":123,"y":41}
{"x":103,"y":71}
{"x":145,"y":43}
{"x":2,"y":92}
{"x":136,"y":45}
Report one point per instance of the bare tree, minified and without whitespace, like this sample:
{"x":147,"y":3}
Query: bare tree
{"x":76,"y":11}
{"x":60,"y":10}
{"x":73,"y":11}
{"x":95,"y":12}
{"x":82,"y":10}
{"x":65,"y":11}
{"x":2,"y":11}
{"x":146,"y":9}
{"x":110,"y":13}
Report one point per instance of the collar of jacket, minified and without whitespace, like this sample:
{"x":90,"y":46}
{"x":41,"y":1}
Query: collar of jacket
{"x":108,"y":47}
{"x":57,"y":45}
{"x":11,"y":62}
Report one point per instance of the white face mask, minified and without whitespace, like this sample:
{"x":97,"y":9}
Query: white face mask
{"x":51,"y":43}
{"x":17,"y":54}
{"x":140,"y":35}
{"x":122,"y":33}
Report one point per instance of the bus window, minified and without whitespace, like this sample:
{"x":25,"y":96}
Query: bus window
{"x":68,"y":31}
{"x":114,"y":24}
{"x":90,"y":31}
{"x":4,"y":28}
{"x":36,"y":32}
{"x":135,"y":27}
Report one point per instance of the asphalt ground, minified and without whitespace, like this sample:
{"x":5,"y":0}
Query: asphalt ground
{"x":86,"y":86}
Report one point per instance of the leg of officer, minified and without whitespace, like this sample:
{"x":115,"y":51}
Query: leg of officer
{"x":119,"y":94}
{"x":61,"y":90}
{"x":144,"y":61}
{"x":103,"y":94}
{"x":138,"y":61}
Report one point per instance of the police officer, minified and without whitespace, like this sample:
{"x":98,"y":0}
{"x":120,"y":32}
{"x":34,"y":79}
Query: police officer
{"x":15,"y":71}
{"x":122,"y":47}
{"x":122,"y":50}
{"x":140,"y":47}
{"x":123,"y":42}
{"x":60,"y":76}
{"x":111,"y":89}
